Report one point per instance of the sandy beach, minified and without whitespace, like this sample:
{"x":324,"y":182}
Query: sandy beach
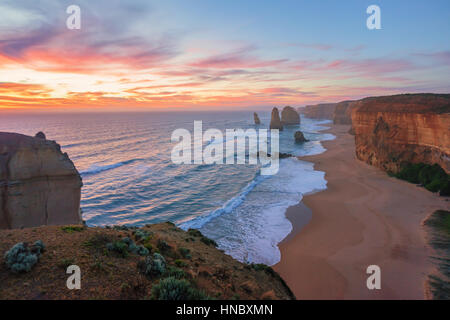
{"x":363,"y":218}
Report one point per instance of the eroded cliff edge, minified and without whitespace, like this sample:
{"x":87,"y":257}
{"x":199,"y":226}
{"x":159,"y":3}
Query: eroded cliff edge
{"x":39,"y":185}
{"x":394,"y":130}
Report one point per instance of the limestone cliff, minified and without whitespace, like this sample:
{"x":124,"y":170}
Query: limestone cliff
{"x":319,"y":111}
{"x":289,"y":116}
{"x":39,"y":185}
{"x":343,"y":112}
{"x":275,"y":122}
{"x":394,"y":130}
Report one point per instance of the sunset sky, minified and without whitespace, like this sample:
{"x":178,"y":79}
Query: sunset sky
{"x":135,"y":55}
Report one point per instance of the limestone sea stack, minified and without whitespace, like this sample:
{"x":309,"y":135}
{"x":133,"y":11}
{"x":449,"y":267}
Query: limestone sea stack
{"x":275,"y":122}
{"x":289,"y":116}
{"x":256,"y":118}
{"x":396,"y":130}
{"x":299,"y":137}
{"x":39,"y":185}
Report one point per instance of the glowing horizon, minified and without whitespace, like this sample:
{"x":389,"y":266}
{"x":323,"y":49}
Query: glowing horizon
{"x":147,"y":55}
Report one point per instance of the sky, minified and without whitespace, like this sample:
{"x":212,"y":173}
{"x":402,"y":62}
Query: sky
{"x":210,"y":54}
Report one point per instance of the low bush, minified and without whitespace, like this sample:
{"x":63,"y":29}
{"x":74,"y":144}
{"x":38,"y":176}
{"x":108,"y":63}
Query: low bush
{"x":142,"y":235}
{"x":71,"y":229}
{"x":176,"y":289}
{"x":163,"y":246}
{"x":432,"y":177}
{"x":180,"y":263}
{"x":22,"y":257}
{"x":152,"y":265}
{"x":126,"y":245}
{"x":175,"y":272}
{"x":185,"y":253}
{"x":205,"y":240}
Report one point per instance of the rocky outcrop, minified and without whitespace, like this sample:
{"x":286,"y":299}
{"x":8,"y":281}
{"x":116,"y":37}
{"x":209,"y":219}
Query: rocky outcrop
{"x":39,"y":185}
{"x":275,"y":122}
{"x":256,"y":118}
{"x":318,"y":111}
{"x":299,"y":137}
{"x":343,"y":112}
{"x":289,"y":116}
{"x":194,"y":269}
{"x":394,"y":130}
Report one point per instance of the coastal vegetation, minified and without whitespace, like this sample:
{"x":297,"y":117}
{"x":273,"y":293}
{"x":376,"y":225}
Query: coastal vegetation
{"x":432,"y":177}
{"x":157,"y":261}
{"x":439,"y":229}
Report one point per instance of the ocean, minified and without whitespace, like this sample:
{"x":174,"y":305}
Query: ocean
{"x":129,"y":179}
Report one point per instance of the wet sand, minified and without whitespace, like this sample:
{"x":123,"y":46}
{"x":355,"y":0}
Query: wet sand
{"x":363,"y":218}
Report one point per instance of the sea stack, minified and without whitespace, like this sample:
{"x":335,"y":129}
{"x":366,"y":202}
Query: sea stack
{"x":256,"y":118}
{"x":39,"y":185}
{"x":299,"y":137}
{"x":289,"y":116}
{"x":275,"y":122}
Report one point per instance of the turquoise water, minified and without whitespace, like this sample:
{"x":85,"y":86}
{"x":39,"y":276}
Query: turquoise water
{"x":128,"y":176}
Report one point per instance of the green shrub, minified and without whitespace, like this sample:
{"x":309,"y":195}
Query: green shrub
{"x":126,"y":245}
{"x":185,"y":253}
{"x":180,"y":263}
{"x":172,"y":271}
{"x":195,"y":233}
{"x":22,"y":258}
{"x":445,"y":189}
{"x":176,"y":289}
{"x":71,"y":229}
{"x":119,"y":247}
{"x":163,"y":246}
{"x":149,"y":246}
{"x":260,"y":267}
{"x":65,"y":263}
{"x":152,"y":265}
{"x":205,"y":240}
{"x":432,"y":177}
{"x":208,"y":241}
{"x":142,"y":235}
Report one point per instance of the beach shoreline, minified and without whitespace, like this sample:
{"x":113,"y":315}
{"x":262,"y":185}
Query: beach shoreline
{"x":363,"y":218}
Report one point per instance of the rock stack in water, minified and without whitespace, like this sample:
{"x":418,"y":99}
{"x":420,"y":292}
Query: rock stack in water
{"x":39,"y":185}
{"x":256,"y":118}
{"x":299,"y":137}
{"x":275,"y":122}
{"x":289,"y":116}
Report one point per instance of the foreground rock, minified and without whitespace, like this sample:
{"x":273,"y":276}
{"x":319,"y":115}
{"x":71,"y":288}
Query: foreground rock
{"x":256,"y":118}
{"x":396,"y":130}
{"x":186,"y":263}
{"x":289,"y":116}
{"x":299,"y":137}
{"x":275,"y":122}
{"x":39,"y":185}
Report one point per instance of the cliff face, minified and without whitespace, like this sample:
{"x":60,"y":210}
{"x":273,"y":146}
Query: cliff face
{"x":343,"y":112}
{"x":275,"y":122}
{"x":319,"y":111}
{"x":391,"y":131}
{"x":289,"y":116}
{"x":39,"y":185}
